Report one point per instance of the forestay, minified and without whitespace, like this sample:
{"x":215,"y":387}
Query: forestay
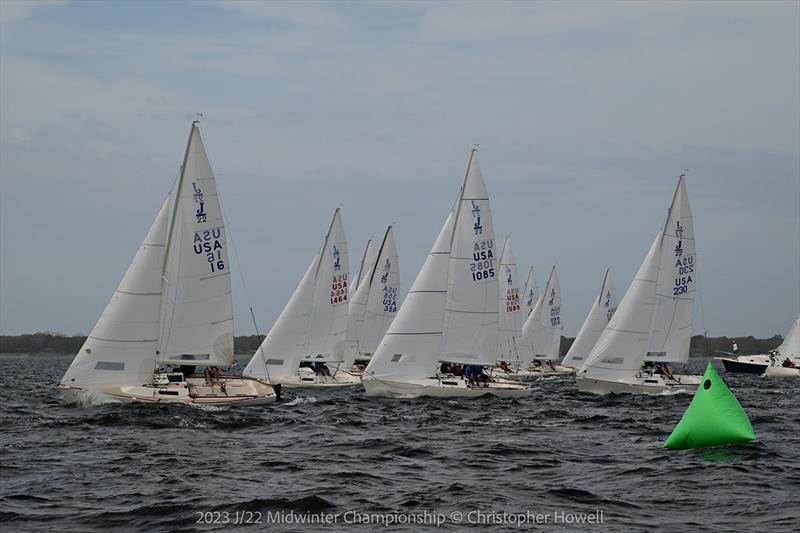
{"x":471,"y":308}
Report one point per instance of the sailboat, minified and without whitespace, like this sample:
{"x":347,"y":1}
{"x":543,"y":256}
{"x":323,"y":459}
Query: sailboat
{"x":653,"y":323}
{"x":307,"y":344}
{"x":758,"y":363}
{"x":541,"y":333}
{"x":530,"y":293}
{"x":374,"y":305}
{"x":172,"y":311}
{"x":786,"y":357}
{"x":450,"y":316}
{"x":603,"y":308}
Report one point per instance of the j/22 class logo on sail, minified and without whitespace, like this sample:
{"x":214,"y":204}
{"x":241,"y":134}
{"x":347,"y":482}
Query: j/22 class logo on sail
{"x":207,"y":242}
{"x":482,"y":266}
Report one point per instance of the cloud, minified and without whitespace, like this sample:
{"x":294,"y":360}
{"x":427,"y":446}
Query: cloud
{"x":15,"y":10}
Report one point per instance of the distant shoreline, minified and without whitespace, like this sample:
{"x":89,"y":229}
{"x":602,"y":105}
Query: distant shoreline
{"x":56,"y":345}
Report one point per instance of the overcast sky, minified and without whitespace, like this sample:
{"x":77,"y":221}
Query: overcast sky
{"x":585,"y":113}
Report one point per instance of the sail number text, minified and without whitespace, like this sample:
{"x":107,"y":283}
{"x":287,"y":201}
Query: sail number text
{"x":482,"y":267}
{"x":207,"y":242}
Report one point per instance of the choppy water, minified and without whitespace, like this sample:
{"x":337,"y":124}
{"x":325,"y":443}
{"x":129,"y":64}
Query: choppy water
{"x":154,"y":468}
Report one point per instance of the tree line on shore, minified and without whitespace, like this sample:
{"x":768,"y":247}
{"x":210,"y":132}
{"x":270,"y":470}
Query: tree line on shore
{"x":50,"y":343}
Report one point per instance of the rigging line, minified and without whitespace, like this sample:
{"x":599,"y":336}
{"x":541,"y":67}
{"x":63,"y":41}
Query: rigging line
{"x":240,"y":268}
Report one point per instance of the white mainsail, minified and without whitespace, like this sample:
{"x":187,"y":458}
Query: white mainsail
{"x":283,"y":348}
{"x":671,"y":329}
{"x":197,"y":307}
{"x":510,"y":328}
{"x":411,"y":347}
{"x":541,"y":333}
{"x":603,"y":308}
{"x":383,"y":286}
{"x":654,"y":319}
{"x":530,"y":293}
{"x":121,"y":348}
{"x":470,"y":334}
{"x":326,"y":337}
{"x":790,"y":347}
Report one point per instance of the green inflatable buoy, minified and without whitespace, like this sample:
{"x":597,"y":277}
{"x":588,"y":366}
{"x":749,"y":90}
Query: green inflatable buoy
{"x":713,"y":418}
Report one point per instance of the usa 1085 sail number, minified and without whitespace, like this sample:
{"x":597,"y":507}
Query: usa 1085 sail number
{"x":482,"y":267}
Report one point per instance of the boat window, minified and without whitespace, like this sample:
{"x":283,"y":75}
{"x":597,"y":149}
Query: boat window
{"x":108,"y":365}
{"x":192,"y":357}
{"x":168,"y":392}
{"x":276,"y":362}
{"x":396,"y":357}
{"x":707,"y":384}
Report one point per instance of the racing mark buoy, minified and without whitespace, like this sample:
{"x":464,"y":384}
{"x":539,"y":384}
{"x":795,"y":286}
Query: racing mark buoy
{"x":713,"y":418}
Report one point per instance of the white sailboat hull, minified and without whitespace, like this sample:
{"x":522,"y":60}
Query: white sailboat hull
{"x":306,"y":377}
{"x":644,"y":384}
{"x":454,"y":387}
{"x":239,"y":392}
{"x":782,"y":372}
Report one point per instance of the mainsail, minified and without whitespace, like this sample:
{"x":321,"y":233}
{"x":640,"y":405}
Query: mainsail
{"x":383,"y":286}
{"x":326,"y":337}
{"x":541,"y":333}
{"x":470,"y":334}
{"x":603,"y":308}
{"x":511,"y":317}
{"x":197,"y":308}
{"x":530,"y":293}
{"x":790,"y":347}
{"x":671,"y":329}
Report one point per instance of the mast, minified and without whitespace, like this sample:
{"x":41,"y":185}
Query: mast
{"x":178,"y":187}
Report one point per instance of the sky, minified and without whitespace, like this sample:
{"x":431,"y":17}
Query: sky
{"x":585,"y":113}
